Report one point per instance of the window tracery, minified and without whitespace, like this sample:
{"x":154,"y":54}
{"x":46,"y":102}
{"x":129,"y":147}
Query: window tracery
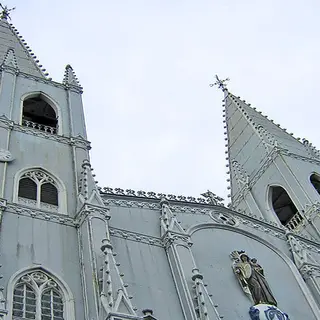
{"x":37,"y":296}
{"x":38,"y":189}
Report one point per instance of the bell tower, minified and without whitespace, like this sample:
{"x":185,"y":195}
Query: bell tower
{"x":43,"y":148}
{"x":273,"y":175}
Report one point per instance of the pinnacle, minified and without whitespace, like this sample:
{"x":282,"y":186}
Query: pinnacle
{"x":70,"y":78}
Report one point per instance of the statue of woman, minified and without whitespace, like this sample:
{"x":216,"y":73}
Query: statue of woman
{"x":252,"y":280}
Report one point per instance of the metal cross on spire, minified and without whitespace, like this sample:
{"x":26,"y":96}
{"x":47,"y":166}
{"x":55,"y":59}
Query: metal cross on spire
{"x":220,"y":83}
{"x":5,"y":13}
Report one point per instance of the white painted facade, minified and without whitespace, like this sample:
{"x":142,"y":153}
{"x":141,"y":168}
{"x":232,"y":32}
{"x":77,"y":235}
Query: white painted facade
{"x":117,"y":254}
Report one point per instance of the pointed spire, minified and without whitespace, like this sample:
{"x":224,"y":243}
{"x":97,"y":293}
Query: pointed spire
{"x":70,"y":78}
{"x":249,"y":132}
{"x":25,"y":59}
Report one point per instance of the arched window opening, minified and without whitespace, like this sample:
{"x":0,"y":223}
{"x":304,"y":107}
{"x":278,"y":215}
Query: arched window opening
{"x":49,"y":194}
{"x":37,"y":296}
{"x":315,"y":180}
{"x":285,"y":209}
{"x":27,"y":189}
{"x":38,"y":114}
{"x":38,"y":189}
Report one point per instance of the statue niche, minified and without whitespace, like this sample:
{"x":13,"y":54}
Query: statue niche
{"x":252,"y":279}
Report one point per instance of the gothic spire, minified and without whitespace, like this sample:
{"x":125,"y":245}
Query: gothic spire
{"x":252,"y":138}
{"x":12,"y":43}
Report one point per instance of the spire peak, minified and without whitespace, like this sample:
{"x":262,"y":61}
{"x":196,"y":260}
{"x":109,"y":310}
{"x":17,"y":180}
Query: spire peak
{"x":221,"y":84}
{"x":5,"y":13}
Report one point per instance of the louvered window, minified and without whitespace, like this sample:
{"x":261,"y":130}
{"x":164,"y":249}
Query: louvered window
{"x":27,"y":189}
{"x":49,"y":194}
{"x":37,"y":296}
{"x":38,"y":189}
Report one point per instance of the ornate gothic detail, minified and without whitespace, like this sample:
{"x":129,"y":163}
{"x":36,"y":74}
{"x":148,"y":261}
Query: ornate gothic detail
{"x":5,"y":155}
{"x":312,"y":150}
{"x":6,"y":122}
{"x":70,"y":79}
{"x":92,"y":210}
{"x":212,"y":198}
{"x":10,"y":61}
{"x":159,"y":196}
{"x":114,"y":295}
{"x":203,"y":300}
{"x":76,"y":141}
{"x":41,"y":214}
{"x":134,"y":236}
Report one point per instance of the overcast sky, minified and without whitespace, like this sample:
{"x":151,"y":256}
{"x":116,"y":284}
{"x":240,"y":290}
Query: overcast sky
{"x":145,"y":65}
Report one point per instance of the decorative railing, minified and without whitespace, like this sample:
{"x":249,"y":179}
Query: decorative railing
{"x":295,"y":222}
{"x":38,"y":126}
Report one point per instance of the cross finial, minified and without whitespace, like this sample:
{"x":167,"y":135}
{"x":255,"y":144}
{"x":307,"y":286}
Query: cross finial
{"x":220,"y":83}
{"x":5,"y":13}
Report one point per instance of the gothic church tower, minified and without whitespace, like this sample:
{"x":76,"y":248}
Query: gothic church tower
{"x":272,"y":174}
{"x":70,"y":250}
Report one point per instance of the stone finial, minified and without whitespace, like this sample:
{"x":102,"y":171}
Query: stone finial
{"x":70,"y":78}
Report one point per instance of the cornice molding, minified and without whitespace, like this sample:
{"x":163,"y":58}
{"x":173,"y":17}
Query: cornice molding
{"x":135,"y":236}
{"x":73,"y":141}
{"x":40,"y":214}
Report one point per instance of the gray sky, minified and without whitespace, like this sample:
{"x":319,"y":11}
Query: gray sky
{"x":145,"y":65}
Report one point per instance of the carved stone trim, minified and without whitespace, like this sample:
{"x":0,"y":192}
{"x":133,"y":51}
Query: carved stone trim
{"x":134,"y":236}
{"x":91,"y":210}
{"x":40,"y":214}
{"x":159,"y":196}
{"x":74,"y":141}
{"x":310,"y":271}
{"x":171,"y":238}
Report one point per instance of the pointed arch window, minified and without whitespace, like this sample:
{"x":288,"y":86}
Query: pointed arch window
{"x":315,"y":180}
{"x":284,"y":208}
{"x":39,"y":114}
{"x":37,"y":296}
{"x":38,"y":189}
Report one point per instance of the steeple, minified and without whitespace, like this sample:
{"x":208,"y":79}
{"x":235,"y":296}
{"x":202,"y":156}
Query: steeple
{"x":13,"y":43}
{"x":252,"y":139}
{"x":273,"y":175}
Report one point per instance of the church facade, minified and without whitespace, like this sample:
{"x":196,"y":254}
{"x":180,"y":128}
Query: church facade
{"x":70,"y":250}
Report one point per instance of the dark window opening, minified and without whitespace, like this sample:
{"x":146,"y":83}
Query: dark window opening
{"x":283,"y":205}
{"x":39,"y":114}
{"x":49,"y":194}
{"x":27,"y":189}
{"x":315,"y":180}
